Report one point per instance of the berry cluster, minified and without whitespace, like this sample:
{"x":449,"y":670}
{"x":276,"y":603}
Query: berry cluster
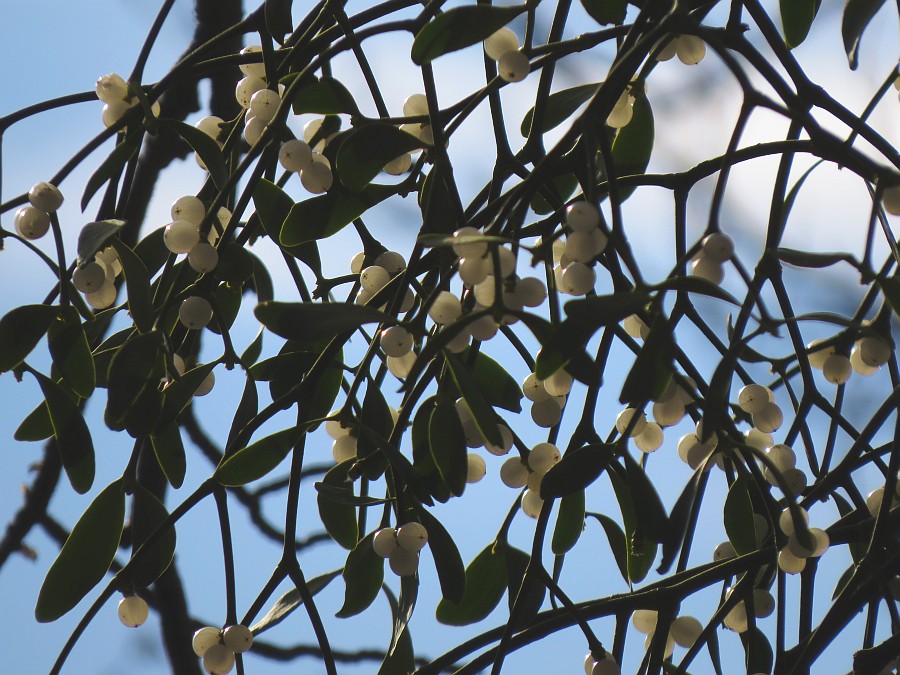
{"x":717,"y":249}
{"x":512,"y":63}
{"x":33,"y":222}
{"x":218,"y":647}
{"x":114,"y":92}
{"x":401,"y":546}
{"x":690,"y":49}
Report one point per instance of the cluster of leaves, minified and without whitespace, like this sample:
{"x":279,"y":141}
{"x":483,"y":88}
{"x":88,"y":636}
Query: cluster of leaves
{"x":415,"y":459}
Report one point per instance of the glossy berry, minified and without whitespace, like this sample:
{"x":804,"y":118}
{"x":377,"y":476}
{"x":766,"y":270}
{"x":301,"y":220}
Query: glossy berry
{"x":203,"y":258}
{"x":582,"y":216}
{"x":763,"y":603}
{"x":532,"y":503}
{"x":514,"y":473}
{"x":546,"y":413}
{"x":89,"y":277}
{"x":399,"y":165}
{"x":415,"y":105}
{"x":180,"y":236}
{"x":46,"y":197}
{"x":404,"y":563}
{"x":606,"y":666}
{"x":690,"y":49}
{"x":789,"y":563}
{"x":685,"y":630}
{"x":621,"y":113}
{"x":559,"y":383}
{"x":257,"y":68}
{"x":754,"y":397}
{"x":396,"y":341}
{"x":708,"y":269}
{"x":218,"y":660}
{"x":385,"y":541}
{"x":650,"y":439}
{"x":768,"y":418}
{"x":542,"y":457}
{"x":317,"y":177}
{"x":102,"y":298}
{"x":467,"y":243}
{"x":874,"y":351}
{"x":400,"y":366}
{"x":837,"y":369}
{"x":133,"y":611}
{"x":204,"y":638}
{"x":501,"y":42}
{"x":623,"y":420}
{"x":111,"y":88}
{"x":412,"y":536}
{"x":445,"y":309}
{"x":211,"y":125}
{"x":513,"y":66}
{"x":264,"y":104}
{"x":31,"y":223}
{"x":890,"y":200}
{"x":578,"y":279}
{"x":195,"y":312}
{"x":374,"y":278}
{"x":237,"y":638}
{"x":246,"y":88}
{"x":644,"y":620}
{"x":475,"y":468}
{"x":295,"y":155}
{"x":344,"y":448}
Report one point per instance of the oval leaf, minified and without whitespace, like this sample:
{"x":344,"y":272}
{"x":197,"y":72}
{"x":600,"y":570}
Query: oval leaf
{"x":458,"y":28}
{"x":290,"y":601}
{"x":738,"y":517}
{"x":256,"y":460}
{"x":363,"y":574}
{"x":73,"y":439}
{"x":20,"y":331}
{"x":633,"y":145}
{"x":559,"y":107}
{"x":796,"y":18}
{"x":569,"y":523}
{"x":70,"y":352}
{"x":309,"y":321}
{"x":367,"y":149}
{"x":338,"y":517}
{"x":325,"y":96}
{"x":169,"y":450}
{"x":857,"y":15}
{"x":204,"y":146}
{"x":148,"y":565}
{"x":137,"y":283}
{"x":449,"y":564}
{"x":576,"y":470}
{"x":447,"y":441}
{"x":94,"y":236}
{"x":322,"y":216}
{"x":485,"y":586}
{"x":86,"y":555}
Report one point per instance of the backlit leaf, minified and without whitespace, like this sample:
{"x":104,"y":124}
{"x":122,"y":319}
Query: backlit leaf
{"x":857,"y":16}
{"x":71,"y":353}
{"x":447,"y":442}
{"x":255,"y":461}
{"x":147,"y":514}
{"x":20,"y":331}
{"x":169,"y":450}
{"x":325,"y":96}
{"x":309,"y":321}
{"x":633,"y":144}
{"x":367,"y":149}
{"x":569,"y":522}
{"x":576,"y":470}
{"x":363,"y":574}
{"x":73,"y":439}
{"x":559,"y":107}
{"x":458,"y":28}
{"x":738,"y":516}
{"x":137,"y":282}
{"x":339,"y":518}
{"x":94,"y":236}
{"x":449,"y":564}
{"x":203,"y":145}
{"x":290,"y":601}
{"x":796,"y":18}
{"x":324,"y":215}
{"x":484,"y":588}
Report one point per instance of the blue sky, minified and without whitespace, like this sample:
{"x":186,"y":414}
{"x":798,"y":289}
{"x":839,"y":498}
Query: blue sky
{"x":63,"y":49}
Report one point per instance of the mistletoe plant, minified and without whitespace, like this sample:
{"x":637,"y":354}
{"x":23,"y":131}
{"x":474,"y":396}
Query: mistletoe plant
{"x":416,"y":363}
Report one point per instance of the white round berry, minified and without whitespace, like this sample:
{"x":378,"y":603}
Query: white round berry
{"x":253,"y":130}
{"x":31,"y":223}
{"x":188,"y":208}
{"x":582,"y":216}
{"x":133,"y":611}
{"x":264,"y":104}
{"x":623,"y":419}
{"x":257,"y":68}
{"x":650,"y":439}
{"x":690,"y":49}
{"x":837,"y":369}
{"x":374,"y":278}
{"x":206,"y":385}
{"x":506,"y":438}
{"x":759,"y":439}
{"x":724,"y":551}
{"x":445,"y":309}
{"x":533,"y":388}
{"x":718,"y":247}
{"x":113,"y":112}
{"x":578,"y":279}
{"x":486,"y":291}
{"x":415,"y":105}
{"x":546,"y":413}
{"x":392,"y":261}
{"x":754,"y":397}
{"x":542,"y":457}
{"x":205,"y":638}
{"x":580,"y":246}
{"x":89,"y":277}
{"x":621,"y":113}
{"x":396,"y":341}
{"x":768,"y":418}
{"x":818,"y":357}
{"x":685,"y":630}
{"x":211,"y":126}
{"x":104,"y":297}
{"x":668,"y":413}
{"x":607,"y":666}
{"x":245,"y":89}
{"x":736,"y":619}
{"x":474,"y":269}
{"x":295,"y":155}
{"x":317,"y":177}
{"x":238,"y":638}
{"x":484,"y":328}
{"x":786,"y":521}
{"x":789,"y":563}
{"x":400,"y":366}
{"x":412,"y":536}
{"x":218,"y":660}
{"x":644,"y":620}
{"x":46,"y":197}
{"x":203,"y":258}
{"x":823,"y":541}
{"x":180,"y":236}
{"x":514,"y":472}
{"x":708,"y":269}
{"x":513,"y":66}
{"x":874,"y":499}
{"x":796,"y":480}
{"x":531,"y":291}
{"x":385,"y":541}
{"x":636,"y":327}
{"x":500,"y":42}
{"x":475,"y":468}
{"x":860,"y":366}
{"x":532,"y":503}
{"x":404,"y":563}
{"x":195,"y":312}
{"x":874,"y":351}
{"x":344,"y":448}
{"x":890,"y":199}
{"x":559,"y":383}
{"x":782,"y":456}
{"x":111,"y":88}
{"x":399,"y":165}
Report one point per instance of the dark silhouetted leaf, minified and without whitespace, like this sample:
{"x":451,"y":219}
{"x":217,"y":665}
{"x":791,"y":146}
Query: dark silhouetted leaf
{"x":447,"y":441}
{"x":367,"y":149}
{"x":278,"y":19}
{"x":400,"y":658}
{"x":147,"y":514}
{"x":309,"y":321}
{"x":376,"y":423}
{"x":152,"y":251}
{"x":526,"y":591}
{"x":290,"y":601}
{"x":36,"y":426}
{"x":423,"y":462}
{"x":71,"y":353}
{"x":485,"y":586}
{"x":256,"y":460}
{"x":814,"y":260}
{"x":458,"y":28}
{"x":576,"y":470}
{"x":633,"y":145}
{"x":449,"y":564}
{"x":651,"y":513}
{"x":73,"y":439}
{"x":653,"y":367}
{"x":696,"y":285}
{"x":857,"y":15}
{"x":738,"y":517}
{"x":760,"y":657}
{"x":322,"y":216}
{"x":110,"y":169}
{"x":203,"y":145}
{"x":500,"y":388}
{"x":325,"y":96}
{"x":715,"y":405}
{"x":137,"y":282}
{"x":272,"y":208}
{"x":474,"y":395}
{"x":338,"y":517}
{"x":134,"y":401}
{"x":179,"y":393}
{"x":569,"y":523}
{"x":639,"y":548}
{"x":94,"y":236}
{"x":560,"y":106}
{"x":86,"y":555}
{"x":678,"y":521}
{"x":617,"y":543}
{"x":796,"y":18}
{"x":606,"y":11}
{"x":169,"y":450}
{"x":20,"y":331}
{"x":363,"y":574}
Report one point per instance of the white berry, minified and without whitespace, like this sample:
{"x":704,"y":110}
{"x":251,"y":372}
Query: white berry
{"x":238,"y":638}
{"x":133,"y":611}
{"x":195,"y":312}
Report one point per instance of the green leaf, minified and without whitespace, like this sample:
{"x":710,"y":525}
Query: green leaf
{"x":73,"y":438}
{"x":279,"y":21}
{"x":813,"y":260}
{"x":204,"y":146}
{"x":458,"y":28}
{"x":20,"y":331}
{"x":272,"y":208}
{"x":561,"y":187}
{"x":36,"y":426}
{"x":325,"y":96}
{"x":484,"y":588}
{"x":423,"y":462}
{"x":339,"y":518}
{"x":796,"y":19}
{"x":715,"y":405}
{"x":633,"y":145}
{"x":70,"y":352}
{"x":760,"y":657}
{"x":639,"y":548}
{"x":94,"y":236}
{"x":559,"y":107}
{"x":255,"y":461}
{"x":678,"y":520}
{"x":169,"y":450}
{"x":473,"y":393}
{"x":738,"y":517}
{"x":180,"y":393}
{"x":152,"y":251}
{"x":693,"y":284}
{"x":606,"y":11}
{"x":400,"y":657}
{"x":617,"y":542}
{"x":322,"y":216}
{"x":449,"y":564}
{"x":290,"y":601}
{"x":367,"y":149}
{"x":147,"y":515}
{"x":576,"y":470}
{"x":135,"y":402}
{"x":86,"y":555}
{"x":650,"y":512}
{"x":500,"y":388}
{"x":447,"y":442}
{"x":857,"y":16}
{"x":890,"y":286}
{"x":375,"y":425}
{"x":569,"y":523}
{"x":526,"y":592}
{"x":110,"y":169}
{"x":345,"y":495}
{"x":653,"y":367}
{"x":226,"y":299}
{"x":309,"y":321}
{"x":363,"y":574}
{"x":137,"y":282}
